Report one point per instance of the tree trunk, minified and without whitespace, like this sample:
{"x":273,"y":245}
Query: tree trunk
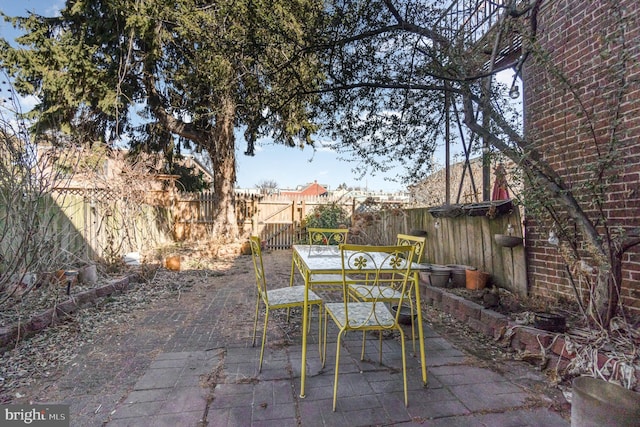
{"x":221,"y":147}
{"x":223,"y":158}
{"x":606,"y":292}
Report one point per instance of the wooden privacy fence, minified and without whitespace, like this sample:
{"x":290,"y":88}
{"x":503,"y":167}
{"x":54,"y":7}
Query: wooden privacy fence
{"x":93,"y":223}
{"x":278,"y":219}
{"x":460,"y":237}
{"x":275,"y":218}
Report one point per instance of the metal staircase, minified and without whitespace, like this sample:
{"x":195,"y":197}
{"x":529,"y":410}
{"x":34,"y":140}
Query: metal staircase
{"x":474,"y":23}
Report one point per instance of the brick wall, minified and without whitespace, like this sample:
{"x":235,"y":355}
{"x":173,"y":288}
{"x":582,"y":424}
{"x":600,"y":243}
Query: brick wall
{"x":582,"y":43}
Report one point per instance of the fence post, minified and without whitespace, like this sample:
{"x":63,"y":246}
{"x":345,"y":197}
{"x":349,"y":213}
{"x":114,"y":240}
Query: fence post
{"x":254,"y":216}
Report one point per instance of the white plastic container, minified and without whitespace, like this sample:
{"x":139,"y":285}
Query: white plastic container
{"x":132,"y":258}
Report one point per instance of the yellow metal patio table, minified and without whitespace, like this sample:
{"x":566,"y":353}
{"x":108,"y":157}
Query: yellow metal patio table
{"x":315,"y":261}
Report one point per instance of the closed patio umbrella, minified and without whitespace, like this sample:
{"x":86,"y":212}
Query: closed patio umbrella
{"x":500,"y":190}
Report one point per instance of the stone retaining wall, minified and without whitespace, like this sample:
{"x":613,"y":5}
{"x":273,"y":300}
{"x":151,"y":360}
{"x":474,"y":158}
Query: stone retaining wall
{"x":504,"y":330}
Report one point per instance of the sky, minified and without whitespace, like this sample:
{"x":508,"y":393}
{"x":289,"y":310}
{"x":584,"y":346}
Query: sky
{"x":287,"y":166}
{"x":292,"y":166}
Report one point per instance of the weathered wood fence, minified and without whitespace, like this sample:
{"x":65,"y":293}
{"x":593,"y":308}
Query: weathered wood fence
{"x":94,"y":225}
{"x":275,"y":218}
{"x":460,"y":235}
{"x":460,"y":238}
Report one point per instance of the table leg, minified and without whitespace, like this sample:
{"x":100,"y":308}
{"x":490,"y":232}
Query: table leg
{"x":423,"y":362}
{"x":305,"y":321}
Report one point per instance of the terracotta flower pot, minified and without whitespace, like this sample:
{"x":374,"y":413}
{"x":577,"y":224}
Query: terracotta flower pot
{"x":245,"y":249}
{"x":476,"y":279}
{"x":459,"y":275}
{"x":172,"y":263}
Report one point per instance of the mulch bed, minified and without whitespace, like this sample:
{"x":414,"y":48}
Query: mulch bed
{"x":520,"y":310}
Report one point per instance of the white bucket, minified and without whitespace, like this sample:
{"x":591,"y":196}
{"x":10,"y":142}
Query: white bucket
{"x":132,"y":258}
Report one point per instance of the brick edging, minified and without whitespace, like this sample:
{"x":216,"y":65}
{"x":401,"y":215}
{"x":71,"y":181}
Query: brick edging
{"x":12,"y":333}
{"x":496,"y":326}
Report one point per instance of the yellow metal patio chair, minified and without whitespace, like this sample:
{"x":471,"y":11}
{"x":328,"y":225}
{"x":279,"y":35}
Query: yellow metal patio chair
{"x":279,"y":298}
{"x":389,"y":291}
{"x":327,"y":237}
{"x":379,"y":265}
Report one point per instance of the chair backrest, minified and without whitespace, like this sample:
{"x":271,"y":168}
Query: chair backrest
{"x":376,"y":266}
{"x":256,"y":255}
{"x":327,"y":236}
{"x":417,"y":242}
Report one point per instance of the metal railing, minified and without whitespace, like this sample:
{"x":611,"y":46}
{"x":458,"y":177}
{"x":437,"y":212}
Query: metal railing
{"x":468,"y":21}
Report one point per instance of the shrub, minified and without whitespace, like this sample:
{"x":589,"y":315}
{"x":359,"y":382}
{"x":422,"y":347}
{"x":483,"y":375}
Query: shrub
{"x":327,"y":216}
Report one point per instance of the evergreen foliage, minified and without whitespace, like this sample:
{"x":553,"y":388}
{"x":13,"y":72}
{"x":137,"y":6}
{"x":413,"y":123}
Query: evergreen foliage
{"x":170,"y":76}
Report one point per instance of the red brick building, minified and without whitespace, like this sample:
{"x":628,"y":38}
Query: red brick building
{"x":312,"y":189}
{"x":582,"y":112}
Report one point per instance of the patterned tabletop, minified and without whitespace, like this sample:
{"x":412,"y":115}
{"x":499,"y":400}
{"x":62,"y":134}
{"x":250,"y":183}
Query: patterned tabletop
{"x":327,"y":258}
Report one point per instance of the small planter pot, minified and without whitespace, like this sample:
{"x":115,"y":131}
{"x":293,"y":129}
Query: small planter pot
{"x":446,"y":211}
{"x":491,"y":209}
{"x":459,"y":275}
{"x":88,"y":275}
{"x":438,"y":276}
{"x":405,"y":314}
{"x":172,"y":263}
{"x":551,"y":322}
{"x":507,"y":241}
{"x":476,"y":279}
{"x":132,"y":258}
{"x":245,"y":249}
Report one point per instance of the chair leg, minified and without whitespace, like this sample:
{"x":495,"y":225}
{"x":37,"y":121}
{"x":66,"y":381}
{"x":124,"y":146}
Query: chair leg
{"x":319,"y":326}
{"x":335,"y":379}
{"x":309,"y":323}
{"x":255,"y":322}
{"x":413,"y":330}
{"x":291,"y":279}
{"x":364,"y":334}
{"x":404,"y":368}
{"x":264,"y":338}
{"x":320,"y":332}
